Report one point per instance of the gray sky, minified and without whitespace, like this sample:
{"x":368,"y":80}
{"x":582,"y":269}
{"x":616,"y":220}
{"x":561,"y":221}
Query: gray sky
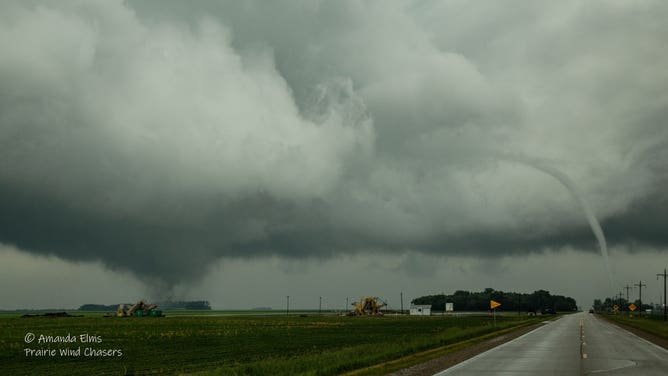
{"x":243,"y":151}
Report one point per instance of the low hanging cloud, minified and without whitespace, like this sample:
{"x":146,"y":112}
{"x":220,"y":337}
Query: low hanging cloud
{"x":158,"y":137}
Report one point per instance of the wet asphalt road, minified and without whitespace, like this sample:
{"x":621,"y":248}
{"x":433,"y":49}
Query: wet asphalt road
{"x":577,"y":344}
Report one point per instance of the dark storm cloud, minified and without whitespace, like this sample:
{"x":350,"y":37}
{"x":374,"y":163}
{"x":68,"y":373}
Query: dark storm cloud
{"x":158,"y":137}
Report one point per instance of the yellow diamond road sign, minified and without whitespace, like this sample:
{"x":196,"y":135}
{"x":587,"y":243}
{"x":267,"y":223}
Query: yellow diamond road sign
{"x":615,"y":307}
{"x":632,"y":307}
{"x":493,"y":304}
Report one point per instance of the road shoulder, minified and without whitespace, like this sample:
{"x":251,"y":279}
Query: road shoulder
{"x":661,"y":342}
{"x":452,"y":354}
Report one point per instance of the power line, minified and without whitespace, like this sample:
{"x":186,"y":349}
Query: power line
{"x":627,"y":287}
{"x":664,"y":292}
{"x":640,"y":285}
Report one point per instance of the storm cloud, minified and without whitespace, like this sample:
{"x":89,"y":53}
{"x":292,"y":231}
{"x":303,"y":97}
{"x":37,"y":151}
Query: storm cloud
{"x":159,"y":137}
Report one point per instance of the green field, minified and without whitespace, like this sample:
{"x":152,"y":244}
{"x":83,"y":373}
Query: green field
{"x":652,"y":324}
{"x":228,"y":344}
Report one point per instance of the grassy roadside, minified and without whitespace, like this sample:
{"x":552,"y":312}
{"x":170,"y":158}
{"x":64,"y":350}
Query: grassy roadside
{"x":424,"y":356}
{"x":653,"y":325}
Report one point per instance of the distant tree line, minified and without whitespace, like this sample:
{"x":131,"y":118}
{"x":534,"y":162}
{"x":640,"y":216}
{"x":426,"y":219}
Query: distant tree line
{"x":510,"y":301}
{"x":194,"y":305}
{"x":98,"y":307}
{"x":188,"y":305}
{"x":623,"y":304}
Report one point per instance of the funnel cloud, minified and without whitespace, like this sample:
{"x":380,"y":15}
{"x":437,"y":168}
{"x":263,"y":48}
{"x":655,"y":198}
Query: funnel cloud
{"x":569,"y":184}
{"x":158,"y":138}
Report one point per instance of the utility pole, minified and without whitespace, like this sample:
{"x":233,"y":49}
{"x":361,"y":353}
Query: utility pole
{"x":640,"y":285}
{"x":443,"y":303}
{"x":664,"y":292}
{"x":287,"y":307}
{"x":519,"y":301}
{"x":627,"y":287}
{"x":401,"y":294}
{"x":540,"y":302}
{"x":320,"y":306}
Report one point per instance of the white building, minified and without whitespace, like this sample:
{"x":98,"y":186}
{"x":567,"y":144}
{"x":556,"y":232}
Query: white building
{"x":420,"y":310}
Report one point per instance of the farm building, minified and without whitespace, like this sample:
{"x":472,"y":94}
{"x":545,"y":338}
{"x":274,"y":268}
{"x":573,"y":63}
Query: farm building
{"x":420,"y":310}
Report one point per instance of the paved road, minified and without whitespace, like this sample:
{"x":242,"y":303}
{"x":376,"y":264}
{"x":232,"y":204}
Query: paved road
{"x":578,"y":344}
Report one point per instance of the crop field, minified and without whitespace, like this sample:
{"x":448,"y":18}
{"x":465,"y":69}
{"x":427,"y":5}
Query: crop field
{"x":226,"y":344}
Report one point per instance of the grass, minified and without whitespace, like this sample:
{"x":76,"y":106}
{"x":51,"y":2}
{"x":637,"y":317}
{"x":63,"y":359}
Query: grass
{"x":421,"y":357}
{"x":653,"y":324}
{"x":233,"y":345}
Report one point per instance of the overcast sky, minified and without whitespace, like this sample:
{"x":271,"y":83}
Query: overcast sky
{"x":240,"y":152}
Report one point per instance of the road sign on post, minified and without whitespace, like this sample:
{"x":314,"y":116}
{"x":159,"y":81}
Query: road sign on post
{"x":615,"y":307}
{"x":492,"y":306}
{"x":632,"y":307}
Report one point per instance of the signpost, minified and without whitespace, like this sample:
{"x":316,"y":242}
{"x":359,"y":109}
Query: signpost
{"x":492,"y":306}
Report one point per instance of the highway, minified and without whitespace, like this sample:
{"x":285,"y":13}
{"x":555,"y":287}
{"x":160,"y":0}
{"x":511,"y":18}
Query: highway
{"x":577,"y":344}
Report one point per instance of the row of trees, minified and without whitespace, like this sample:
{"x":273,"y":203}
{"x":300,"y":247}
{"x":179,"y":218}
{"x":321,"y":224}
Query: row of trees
{"x":623,"y":304}
{"x":510,"y":301}
{"x":98,"y":307}
{"x":187,"y":305}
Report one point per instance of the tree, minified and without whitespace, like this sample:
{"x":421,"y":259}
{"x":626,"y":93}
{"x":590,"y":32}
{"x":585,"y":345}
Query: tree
{"x":511,"y":301}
